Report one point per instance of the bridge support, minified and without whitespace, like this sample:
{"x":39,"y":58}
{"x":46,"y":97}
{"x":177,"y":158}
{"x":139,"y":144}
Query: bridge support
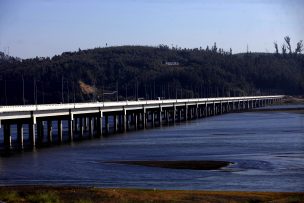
{"x":59,"y":128}
{"x":160,"y":116}
{"x":50,"y":131}
{"x":20,"y":136}
{"x":81,"y":128}
{"x":32,"y":136}
{"x":99,"y":124}
{"x":144,"y":119}
{"x":40,"y":132}
{"x":174,"y":114}
{"x":91,"y":127}
{"x":70,"y":127}
{"x":7,"y":137}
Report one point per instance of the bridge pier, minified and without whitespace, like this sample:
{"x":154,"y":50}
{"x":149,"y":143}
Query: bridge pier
{"x":81,"y":128}
{"x":50,"y":131}
{"x":99,"y":124}
{"x":59,"y":128}
{"x":91,"y":127}
{"x":20,"y":136}
{"x":174,"y":114}
{"x":40,"y":132}
{"x":32,"y":136}
{"x":160,"y":116}
{"x":7,"y":137}
{"x":85,"y":123}
{"x":70,"y":128}
{"x":186,"y":113}
{"x":135,"y":117}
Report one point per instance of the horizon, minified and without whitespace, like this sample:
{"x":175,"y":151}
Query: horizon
{"x":44,"y":28}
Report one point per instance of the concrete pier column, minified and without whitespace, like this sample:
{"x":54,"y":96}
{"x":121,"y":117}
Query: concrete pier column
{"x":50,"y":131}
{"x":153,"y":118}
{"x":107,"y":127}
{"x":120,"y":122}
{"x":70,"y":129}
{"x":7,"y":137}
{"x":179,"y":115}
{"x":135,"y":120}
{"x":59,"y":129}
{"x":40,"y":132}
{"x":174,"y":115}
{"x":80,"y":127}
{"x":186,"y":113}
{"x":85,"y":124}
{"x":91,"y":127}
{"x":214,"y":109}
{"x":206,"y":110}
{"x":20,"y":136}
{"x":129,"y":121}
{"x":160,"y":116}
{"x":191,"y":113}
{"x":115,"y":122}
{"x":144,"y":119}
{"x":32,"y":136}
{"x":75,"y":125}
{"x":99,"y":124}
{"x":221,"y":108}
{"x":124,"y":120}
{"x":167,"y":116}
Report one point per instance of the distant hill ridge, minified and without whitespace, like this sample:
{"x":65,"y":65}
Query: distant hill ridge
{"x":148,"y":72}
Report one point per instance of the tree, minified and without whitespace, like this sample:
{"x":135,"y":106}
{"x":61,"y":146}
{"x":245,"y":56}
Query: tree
{"x":214,"y":48}
{"x":283,"y":49}
{"x":276,"y":47}
{"x":299,"y":48}
{"x":287,"y":40}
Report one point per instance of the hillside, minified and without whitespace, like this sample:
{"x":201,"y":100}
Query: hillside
{"x":148,"y":72}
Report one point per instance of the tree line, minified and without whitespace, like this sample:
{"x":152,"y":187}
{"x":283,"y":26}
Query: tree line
{"x":142,"y":72}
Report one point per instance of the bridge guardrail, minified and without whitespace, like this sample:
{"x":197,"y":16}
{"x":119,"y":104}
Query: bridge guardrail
{"x":41,"y":107}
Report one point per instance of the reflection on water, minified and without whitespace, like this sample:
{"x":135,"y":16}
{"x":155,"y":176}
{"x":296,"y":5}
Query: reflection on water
{"x":267,"y":149}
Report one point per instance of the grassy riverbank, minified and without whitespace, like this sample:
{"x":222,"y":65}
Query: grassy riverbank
{"x":35,"y":194}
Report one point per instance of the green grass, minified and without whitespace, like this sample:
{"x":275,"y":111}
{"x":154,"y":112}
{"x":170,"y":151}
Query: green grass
{"x":295,"y":199}
{"x":43,"y":197}
{"x":9,"y":196}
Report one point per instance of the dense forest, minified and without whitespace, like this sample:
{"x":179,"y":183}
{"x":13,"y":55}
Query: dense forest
{"x":141,"y":72}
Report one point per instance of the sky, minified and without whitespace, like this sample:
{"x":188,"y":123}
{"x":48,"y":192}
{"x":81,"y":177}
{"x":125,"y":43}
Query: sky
{"x":30,"y":28}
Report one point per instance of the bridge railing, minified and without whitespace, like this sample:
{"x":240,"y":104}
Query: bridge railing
{"x":125,"y":103}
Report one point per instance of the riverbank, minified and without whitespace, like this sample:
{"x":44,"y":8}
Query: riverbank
{"x":32,"y":194}
{"x":293,"y":100}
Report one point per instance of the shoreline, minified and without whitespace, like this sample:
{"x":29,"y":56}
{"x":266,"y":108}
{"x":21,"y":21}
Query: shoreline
{"x":67,"y":194}
{"x":293,"y":100}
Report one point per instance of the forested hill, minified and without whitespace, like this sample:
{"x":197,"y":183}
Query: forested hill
{"x":148,"y":72}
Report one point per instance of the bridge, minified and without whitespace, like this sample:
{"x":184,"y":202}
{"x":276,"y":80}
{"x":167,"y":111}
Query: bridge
{"x":97,"y":119}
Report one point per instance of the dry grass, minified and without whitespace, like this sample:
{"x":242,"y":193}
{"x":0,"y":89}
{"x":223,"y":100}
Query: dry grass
{"x":31,"y":194}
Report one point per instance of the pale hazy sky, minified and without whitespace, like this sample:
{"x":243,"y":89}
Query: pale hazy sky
{"x":33,"y":28}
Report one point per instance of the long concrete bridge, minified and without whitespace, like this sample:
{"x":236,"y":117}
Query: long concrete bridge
{"x":97,"y":119}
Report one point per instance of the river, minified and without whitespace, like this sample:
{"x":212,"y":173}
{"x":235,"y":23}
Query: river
{"x":266,"y":148}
